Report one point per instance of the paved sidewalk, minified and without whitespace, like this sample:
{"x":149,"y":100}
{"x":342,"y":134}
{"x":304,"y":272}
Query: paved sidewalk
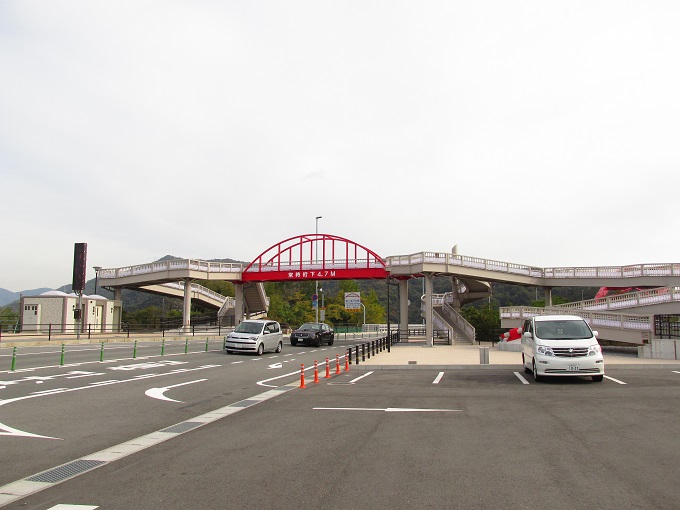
{"x":413,"y":356}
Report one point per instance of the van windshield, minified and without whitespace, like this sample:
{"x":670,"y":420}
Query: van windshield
{"x":562,"y":330}
{"x":249,"y":327}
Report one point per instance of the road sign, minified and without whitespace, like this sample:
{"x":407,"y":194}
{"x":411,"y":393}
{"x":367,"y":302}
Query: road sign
{"x":353,"y":300}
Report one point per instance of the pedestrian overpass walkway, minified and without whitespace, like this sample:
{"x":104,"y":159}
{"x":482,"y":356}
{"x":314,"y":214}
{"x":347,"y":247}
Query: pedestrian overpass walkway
{"x":327,"y":257}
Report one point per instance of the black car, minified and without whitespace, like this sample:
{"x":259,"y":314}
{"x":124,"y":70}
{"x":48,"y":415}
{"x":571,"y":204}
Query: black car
{"x":314,"y":333}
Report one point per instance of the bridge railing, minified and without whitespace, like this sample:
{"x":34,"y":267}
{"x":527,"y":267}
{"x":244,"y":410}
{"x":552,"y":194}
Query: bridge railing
{"x":594,"y":319}
{"x":203,"y":291}
{"x":635,"y":270}
{"x":630,"y":300}
{"x":171,"y":265}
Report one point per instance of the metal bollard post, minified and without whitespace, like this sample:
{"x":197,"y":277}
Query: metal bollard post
{"x":368,"y":349}
{"x":363,"y":352}
{"x":49,"y":333}
{"x":134,"y":351}
{"x":163,"y":347}
{"x":62,"y":355}
{"x":206,"y":344}
{"x":101,"y":352}
{"x":356,"y":355}
{"x":349,"y":355}
{"x":186,"y":346}
{"x":14,"y":358}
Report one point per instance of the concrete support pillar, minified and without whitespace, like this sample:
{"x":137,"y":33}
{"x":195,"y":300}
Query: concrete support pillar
{"x":238,"y":303}
{"x":429,"y":320}
{"x":186,"y":313}
{"x":403,"y":308}
{"x":547,"y":292}
{"x":118,"y":293}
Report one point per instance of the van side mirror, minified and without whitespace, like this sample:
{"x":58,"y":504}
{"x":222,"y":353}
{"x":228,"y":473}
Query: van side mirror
{"x":595,"y":333}
{"x":527,"y":334}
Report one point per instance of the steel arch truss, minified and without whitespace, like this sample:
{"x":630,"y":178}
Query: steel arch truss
{"x":315,"y":257}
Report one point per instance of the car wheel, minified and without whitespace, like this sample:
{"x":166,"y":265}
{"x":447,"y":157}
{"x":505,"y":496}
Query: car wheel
{"x":537,"y":377}
{"x":598,"y":378}
{"x":230,"y":352}
{"x":330,"y":342}
{"x":318,"y":341}
{"x":293,"y":342}
{"x":279,"y":347}
{"x":527,"y":370}
{"x":260,"y":349}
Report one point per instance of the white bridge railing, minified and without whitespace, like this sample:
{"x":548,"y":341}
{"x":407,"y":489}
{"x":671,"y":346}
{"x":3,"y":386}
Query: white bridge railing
{"x":671,"y":269}
{"x":172,"y":265}
{"x":630,"y":300}
{"x":601,"y":319}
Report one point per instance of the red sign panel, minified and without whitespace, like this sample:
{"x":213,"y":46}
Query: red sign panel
{"x":321,"y":274}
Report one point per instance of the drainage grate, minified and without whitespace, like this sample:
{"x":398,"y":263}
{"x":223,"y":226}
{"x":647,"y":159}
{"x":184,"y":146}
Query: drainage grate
{"x":182,"y":427}
{"x":66,"y":471}
{"x":244,"y":403}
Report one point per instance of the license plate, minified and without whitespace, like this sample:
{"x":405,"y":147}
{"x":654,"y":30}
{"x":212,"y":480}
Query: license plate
{"x":573,"y":368}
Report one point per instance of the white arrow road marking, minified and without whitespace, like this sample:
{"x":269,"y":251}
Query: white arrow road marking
{"x":5,"y":430}
{"x":275,"y":365}
{"x":389,"y":409}
{"x":158,"y":392}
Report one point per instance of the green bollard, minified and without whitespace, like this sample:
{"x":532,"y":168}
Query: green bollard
{"x":134,"y":351}
{"x":62,"y":355}
{"x":206,"y":344}
{"x":101,"y":353}
{"x":163,"y":347}
{"x":14,"y":358}
{"x":186,"y":346}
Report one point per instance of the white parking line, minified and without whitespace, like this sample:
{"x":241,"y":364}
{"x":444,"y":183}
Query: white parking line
{"x":360,"y":377}
{"x":615,"y":380}
{"x":438,"y":378}
{"x":521,"y":378}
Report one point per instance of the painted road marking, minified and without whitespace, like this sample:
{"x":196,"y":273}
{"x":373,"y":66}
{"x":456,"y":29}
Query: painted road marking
{"x":6,"y":430}
{"x":360,"y":377}
{"x":615,"y":380}
{"x":73,"y":507}
{"x":27,"y":486}
{"x":389,"y":409}
{"x":521,"y":378}
{"x":158,"y":392}
{"x":275,"y":365}
{"x":438,"y":378}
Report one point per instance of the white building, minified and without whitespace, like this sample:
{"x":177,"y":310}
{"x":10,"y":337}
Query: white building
{"x":55,"y":311}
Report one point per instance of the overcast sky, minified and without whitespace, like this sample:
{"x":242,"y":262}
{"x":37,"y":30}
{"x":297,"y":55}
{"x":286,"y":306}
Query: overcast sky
{"x":534,"y":132}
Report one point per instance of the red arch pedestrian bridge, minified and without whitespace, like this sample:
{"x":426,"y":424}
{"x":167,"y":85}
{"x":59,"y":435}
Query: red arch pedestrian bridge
{"x":327,"y":257}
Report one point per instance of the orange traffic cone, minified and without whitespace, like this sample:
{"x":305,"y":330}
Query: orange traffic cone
{"x":316,"y":372}
{"x":302,"y":376}
{"x":328,"y":370}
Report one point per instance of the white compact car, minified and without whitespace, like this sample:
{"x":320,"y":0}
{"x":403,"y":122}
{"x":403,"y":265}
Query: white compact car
{"x":255,"y":336}
{"x":561,"y":345}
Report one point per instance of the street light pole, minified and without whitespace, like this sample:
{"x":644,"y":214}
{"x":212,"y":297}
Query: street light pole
{"x":96,"y":276}
{"x":316,"y":287}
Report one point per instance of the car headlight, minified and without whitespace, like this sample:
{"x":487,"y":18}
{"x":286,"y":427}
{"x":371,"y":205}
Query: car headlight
{"x":546,"y":351}
{"x":594,"y":350}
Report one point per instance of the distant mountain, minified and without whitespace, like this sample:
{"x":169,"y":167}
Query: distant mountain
{"x":7,"y":296}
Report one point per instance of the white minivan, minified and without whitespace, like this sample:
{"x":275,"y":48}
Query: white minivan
{"x":255,"y":336}
{"x":561,"y":345}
